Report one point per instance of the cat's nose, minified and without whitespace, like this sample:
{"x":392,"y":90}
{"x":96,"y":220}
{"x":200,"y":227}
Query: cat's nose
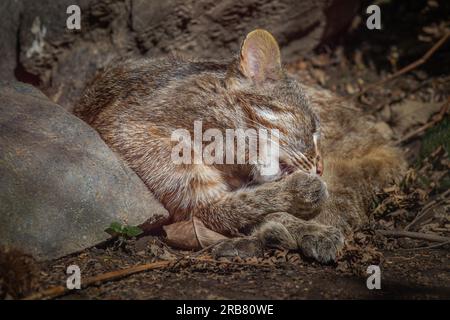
{"x":319,"y":168}
{"x":319,"y":171}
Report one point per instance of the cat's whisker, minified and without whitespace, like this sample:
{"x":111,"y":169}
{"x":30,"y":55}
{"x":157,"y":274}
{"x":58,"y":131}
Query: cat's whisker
{"x":301,"y":163}
{"x":308,"y":161}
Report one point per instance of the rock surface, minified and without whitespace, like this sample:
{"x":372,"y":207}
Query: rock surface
{"x":60,"y":185}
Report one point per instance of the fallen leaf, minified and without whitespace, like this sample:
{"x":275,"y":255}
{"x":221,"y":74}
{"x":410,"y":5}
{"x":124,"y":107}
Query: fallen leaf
{"x":191,"y":234}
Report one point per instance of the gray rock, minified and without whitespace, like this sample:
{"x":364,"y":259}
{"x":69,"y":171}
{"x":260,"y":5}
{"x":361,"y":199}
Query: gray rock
{"x":9,"y":24}
{"x":60,"y":185}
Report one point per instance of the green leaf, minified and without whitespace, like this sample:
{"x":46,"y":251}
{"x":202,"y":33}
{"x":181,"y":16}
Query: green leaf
{"x":116,"y":229}
{"x":116,"y":226}
{"x":131,"y":231}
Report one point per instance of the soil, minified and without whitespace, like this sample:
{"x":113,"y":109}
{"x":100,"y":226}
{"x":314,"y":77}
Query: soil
{"x":405,"y":274}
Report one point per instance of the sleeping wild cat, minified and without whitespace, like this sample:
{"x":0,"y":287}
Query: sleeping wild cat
{"x":328,"y":169}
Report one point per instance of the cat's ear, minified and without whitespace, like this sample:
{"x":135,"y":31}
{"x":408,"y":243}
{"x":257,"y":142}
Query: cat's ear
{"x":260,"y":57}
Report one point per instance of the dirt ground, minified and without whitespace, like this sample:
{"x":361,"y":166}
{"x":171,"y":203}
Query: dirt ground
{"x":419,"y":275}
{"x":412,"y":109}
{"x":405,"y":274}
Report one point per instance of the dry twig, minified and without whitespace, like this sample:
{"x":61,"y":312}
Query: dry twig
{"x":434,"y":246}
{"x":436,"y":119}
{"x":413,"y":235}
{"x":59,"y":291}
{"x":427,"y":210}
{"x":406,"y":69}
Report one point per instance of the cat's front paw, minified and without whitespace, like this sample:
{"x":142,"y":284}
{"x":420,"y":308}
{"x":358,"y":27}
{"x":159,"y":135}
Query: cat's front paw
{"x":309,"y":192}
{"x":321,"y":243}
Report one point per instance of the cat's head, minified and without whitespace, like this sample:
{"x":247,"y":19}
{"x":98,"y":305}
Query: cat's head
{"x":273,"y":100}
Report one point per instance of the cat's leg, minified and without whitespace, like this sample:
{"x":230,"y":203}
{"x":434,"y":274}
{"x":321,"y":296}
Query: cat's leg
{"x":283,"y":230}
{"x":314,"y":240}
{"x":350,"y":184}
{"x":299,"y":194}
{"x":279,"y":211}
